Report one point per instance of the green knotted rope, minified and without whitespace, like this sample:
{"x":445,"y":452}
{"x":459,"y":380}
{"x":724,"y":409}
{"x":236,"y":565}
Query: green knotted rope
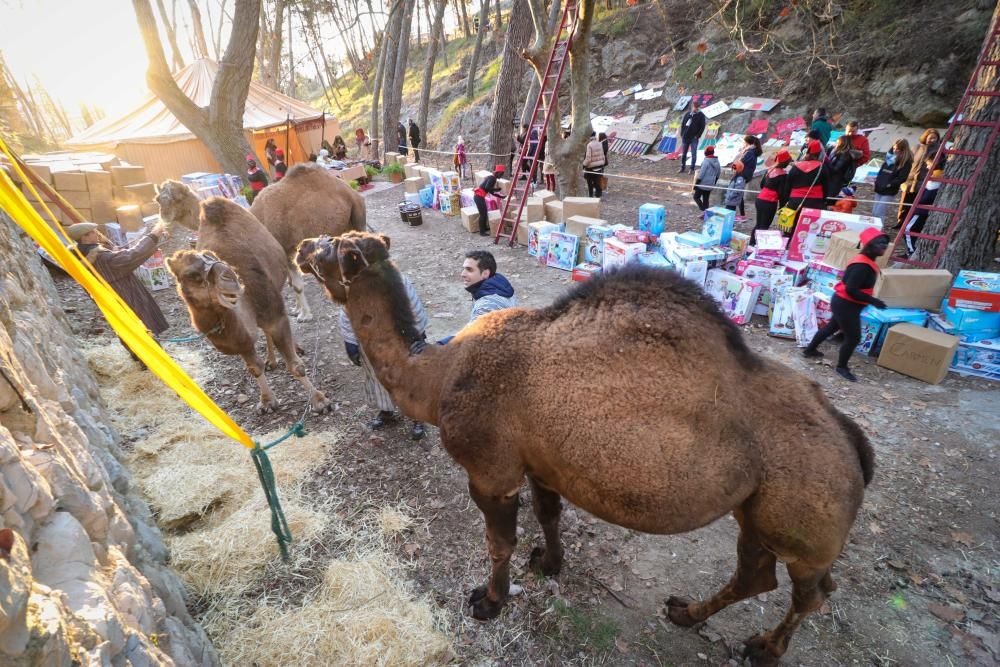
{"x":183,"y":339}
{"x":279,"y":525}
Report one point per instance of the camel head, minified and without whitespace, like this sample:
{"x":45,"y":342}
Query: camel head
{"x":204,"y":281}
{"x":178,"y":204}
{"x":334,"y":261}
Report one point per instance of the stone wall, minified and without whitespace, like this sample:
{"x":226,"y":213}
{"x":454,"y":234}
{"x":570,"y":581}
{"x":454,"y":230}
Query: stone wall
{"x":83,"y":574}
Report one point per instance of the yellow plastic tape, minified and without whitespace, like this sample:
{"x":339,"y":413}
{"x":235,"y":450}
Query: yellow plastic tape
{"x":121,"y":318}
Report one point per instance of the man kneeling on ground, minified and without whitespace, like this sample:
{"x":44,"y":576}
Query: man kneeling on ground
{"x":490,"y":290}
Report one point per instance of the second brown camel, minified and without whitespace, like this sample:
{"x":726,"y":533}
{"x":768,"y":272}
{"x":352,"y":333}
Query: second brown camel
{"x":686,"y":424}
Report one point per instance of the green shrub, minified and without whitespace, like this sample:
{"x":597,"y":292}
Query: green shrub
{"x":393,"y":168}
{"x":354,"y":184}
{"x":371,"y":171}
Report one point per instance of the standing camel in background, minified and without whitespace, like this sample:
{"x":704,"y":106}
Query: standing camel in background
{"x":232,"y":286}
{"x":708,"y":427}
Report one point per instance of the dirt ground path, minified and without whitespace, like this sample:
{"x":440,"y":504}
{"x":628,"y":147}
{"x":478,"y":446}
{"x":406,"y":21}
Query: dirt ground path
{"x":918,"y":580}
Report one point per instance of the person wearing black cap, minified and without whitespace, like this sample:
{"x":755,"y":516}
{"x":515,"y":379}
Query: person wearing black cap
{"x":489,"y":186}
{"x":851,"y":295}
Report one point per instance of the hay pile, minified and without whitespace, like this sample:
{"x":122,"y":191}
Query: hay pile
{"x":357,"y":608}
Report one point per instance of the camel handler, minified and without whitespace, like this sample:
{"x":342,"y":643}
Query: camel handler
{"x":375,"y":393}
{"x":851,"y":295}
{"x":489,"y":186}
{"x":117,"y":266}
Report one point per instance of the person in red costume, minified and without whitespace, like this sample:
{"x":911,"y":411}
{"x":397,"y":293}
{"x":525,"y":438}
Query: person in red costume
{"x":851,"y":295}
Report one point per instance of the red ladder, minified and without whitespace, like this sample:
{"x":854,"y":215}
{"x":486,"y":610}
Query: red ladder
{"x":510,"y":218}
{"x":986,"y":59}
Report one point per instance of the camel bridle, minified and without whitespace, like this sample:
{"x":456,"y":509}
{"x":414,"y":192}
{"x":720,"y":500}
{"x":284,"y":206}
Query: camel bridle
{"x":340,"y":261}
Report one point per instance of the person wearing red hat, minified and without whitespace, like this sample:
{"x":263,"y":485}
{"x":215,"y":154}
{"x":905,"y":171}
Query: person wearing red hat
{"x":489,"y":186}
{"x":279,"y":165}
{"x":851,"y":295}
{"x":772,"y":193}
{"x":807,"y":180}
{"x":256,"y":177}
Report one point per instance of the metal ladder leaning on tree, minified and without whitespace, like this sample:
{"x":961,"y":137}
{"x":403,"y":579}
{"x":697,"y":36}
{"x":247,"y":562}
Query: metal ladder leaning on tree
{"x":510,"y":218}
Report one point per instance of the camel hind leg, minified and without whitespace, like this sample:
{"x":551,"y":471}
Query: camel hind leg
{"x":500,"y":515}
{"x":281,"y":334}
{"x":299,"y":286}
{"x":811,"y":586}
{"x":548,"y":508}
{"x":754,"y":575}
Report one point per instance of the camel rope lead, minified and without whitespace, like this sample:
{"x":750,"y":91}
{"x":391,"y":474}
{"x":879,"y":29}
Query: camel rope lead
{"x":279,"y":525}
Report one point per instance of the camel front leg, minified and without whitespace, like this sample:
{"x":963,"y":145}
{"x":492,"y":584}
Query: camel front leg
{"x":272,"y":361}
{"x":500,"y":514}
{"x":299,"y":286}
{"x":267,"y":402}
{"x":283,"y":340}
{"x":548,"y":508}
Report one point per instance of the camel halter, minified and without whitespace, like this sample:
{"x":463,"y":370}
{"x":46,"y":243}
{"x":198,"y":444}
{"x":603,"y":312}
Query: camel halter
{"x":340,"y":261}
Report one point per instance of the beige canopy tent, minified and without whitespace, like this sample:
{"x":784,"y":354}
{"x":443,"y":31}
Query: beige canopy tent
{"x":153,"y":137}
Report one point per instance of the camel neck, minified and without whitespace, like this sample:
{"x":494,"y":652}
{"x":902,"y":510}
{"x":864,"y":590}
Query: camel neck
{"x":378,"y":308}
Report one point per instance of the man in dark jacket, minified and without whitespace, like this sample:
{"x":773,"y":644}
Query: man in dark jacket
{"x":401,"y":132}
{"x":415,"y":139}
{"x":692,"y":127}
{"x":490,"y":290}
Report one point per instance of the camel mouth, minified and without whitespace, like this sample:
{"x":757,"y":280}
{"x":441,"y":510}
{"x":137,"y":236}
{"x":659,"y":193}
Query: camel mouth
{"x":228,"y":300}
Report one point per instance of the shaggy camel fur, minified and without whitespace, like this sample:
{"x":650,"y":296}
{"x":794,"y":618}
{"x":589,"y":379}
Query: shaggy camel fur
{"x":309,"y":201}
{"x":708,"y":426}
{"x":232,"y":285}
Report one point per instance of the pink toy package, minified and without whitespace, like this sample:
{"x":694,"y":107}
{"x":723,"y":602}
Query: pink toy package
{"x":736,"y":295}
{"x":815,"y":227}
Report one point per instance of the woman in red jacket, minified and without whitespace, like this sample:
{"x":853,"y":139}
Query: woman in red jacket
{"x":851,"y":295}
{"x":772,"y":193}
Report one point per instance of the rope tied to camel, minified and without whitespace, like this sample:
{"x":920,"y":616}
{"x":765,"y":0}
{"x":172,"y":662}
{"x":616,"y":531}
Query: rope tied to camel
{"x":187,"y":339}
{"x":265,"y":473}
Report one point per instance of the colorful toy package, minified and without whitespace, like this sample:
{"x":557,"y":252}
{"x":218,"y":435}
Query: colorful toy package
{"x":736,"y":295}
{"x":980,"y":358}
{"x":585,"y":271}
{"x":562,"y":251}
{"x":876,"y":323}
{"x":593,"y":252}
{"x":652,"y":218}
{"x":738,"y":243}
{"x":654,"y":259}
{"x":718,"y":224}
{"x":538,"y":231}
{"x":976,"y":290}
{"x":695,"y":240}
{"x":618,"y":253}
{"x":939,"y":323}
{"x":782,"y":323}
{"x":770,"y":244}
{"x":815,"y":227}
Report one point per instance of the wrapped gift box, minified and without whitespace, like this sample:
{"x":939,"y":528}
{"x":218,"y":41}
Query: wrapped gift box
{"x":736,"y":295}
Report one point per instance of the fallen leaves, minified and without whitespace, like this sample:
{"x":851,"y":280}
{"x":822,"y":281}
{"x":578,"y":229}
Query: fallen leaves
{"x":946,"y":613}
{"x":963,"y":538}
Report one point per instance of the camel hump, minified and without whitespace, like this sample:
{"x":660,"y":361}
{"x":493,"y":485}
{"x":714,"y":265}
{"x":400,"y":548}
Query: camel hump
{"x":866,"y":454}
{"x":216,"y":210}
{"x":662,"y":300}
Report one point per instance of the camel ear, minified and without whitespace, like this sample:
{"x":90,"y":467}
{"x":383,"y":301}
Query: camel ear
{"x":351,"y":262}
{"x":385,"y":240}
{"x":227,"y":287}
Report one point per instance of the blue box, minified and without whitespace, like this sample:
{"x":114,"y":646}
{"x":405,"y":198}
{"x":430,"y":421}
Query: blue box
{"x":652,"y":218}
{"x":719,"y":223}
{"x":427,"y":197}
{"x":967,"y":319}
{"x":695,"y":240}
{"x":938,"y":323}
{"x":976,"y":289}
{"x":981,"y":359}
{"x":875,"y":324}
{"x":654,"y":259}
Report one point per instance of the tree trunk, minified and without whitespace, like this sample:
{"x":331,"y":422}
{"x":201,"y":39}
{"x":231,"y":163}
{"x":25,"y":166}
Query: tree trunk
{"x":555,"y":13}
{"x":432,"y":51}
{"x":460,"y":10}
{"x":470,"y":85}
{"x":973,"y":244}
{"x":171,"y":32}
{"x":217,"y":37}
{"x":199,"y":31}
{"x":379,"y":78}
{"x":507,"y":94}
{"x":220,"y":125}
{"x":499,"y":17}
{"x":291,"y":60}
{"x":393,"y":95}
{"x":270,"y":73}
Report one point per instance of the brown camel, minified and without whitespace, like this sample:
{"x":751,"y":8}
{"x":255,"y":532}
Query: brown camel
{"x":232,"y":286}
{"x":685,"y":425}
{"x":309,"y":201}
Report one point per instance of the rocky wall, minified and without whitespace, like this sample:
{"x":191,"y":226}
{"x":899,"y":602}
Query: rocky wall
{"x":83,"y":569}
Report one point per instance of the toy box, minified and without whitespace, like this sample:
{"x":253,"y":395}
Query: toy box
{"x":876,"y":323}
{"x":538,"y":231}
{"x":738,"y":243}
{"x":562,"y":251}
{"x":718,"y":224}
{"x":823,"y":312}
{"x":632,"y":235}
{"x":939,"y":323}
{"x":427,"y":197}
{"x":449,"y":203}
{"x":465,"y":197}
{"x":967,"y":319}
{"x":682,"y":253}
{"x":736,"y":295}
{"x":745,"y":265}
{"x":786,"y":300}
{"x":470,"y":218}
{"x":594,"y":249}
{"x":695,"y":271}
{"x":654,"y":259}
{"x":980,"y":358}
{"x":695,"y":240}
{"x":976,"y":290}
{"x":585,"y":271}
{"x":823,"y":278}
{"x":770,"y":244}
{"x":815,"y":227}
{"x":153,"y":273}
{"x":618,"y":253}
{"x":796,"y":268}
{"x":450,"y":182}
{"x":652,"y":218}
{"x":765,"y":276}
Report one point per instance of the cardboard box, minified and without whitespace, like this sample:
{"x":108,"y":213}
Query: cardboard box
{"x":42,"y":196}
{"x":815,"y":227}
{"x":523,"y":232}
{"x":875,"y":324}
{"x":554,"y":212}
{"x":481,"y":175}
{"x":402,"y":160}
{"x":504,"y":185}
{"x":585,"y":271}
{"x":122,"y":176}
{"x":976,"y":290}
{"x":562,"y":251}
{"x":545,"y":195}
{"x":42,"y":171}
{"x":913,"y":288}
{"x":470,"y":218}
{"x":918,"y":352}
{"x":494,"y":222}
{"x":413,"y":185}
{"x":413,"y":172}
{"x":77,"y":200}
{"x":587,"y":206}
{"x":98,"y":183}
{"x":149,"y":208}
{"x":390,"y":157}
{"x":129,"y":218}
{"x":536,"y":232}
{"x":70,"y":181}
{"x":578,"y":224}
{"x":618,"y":253}
{"x":978,"y":358}
{"x":843,"y":247}
{"x":534,"y":210}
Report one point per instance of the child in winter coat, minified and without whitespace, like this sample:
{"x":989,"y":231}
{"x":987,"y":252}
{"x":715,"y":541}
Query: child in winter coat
{"x":460,"y":159}
{"x":734,"y":193}
{"x":708,"y":176}
{"x":846,"y":203}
